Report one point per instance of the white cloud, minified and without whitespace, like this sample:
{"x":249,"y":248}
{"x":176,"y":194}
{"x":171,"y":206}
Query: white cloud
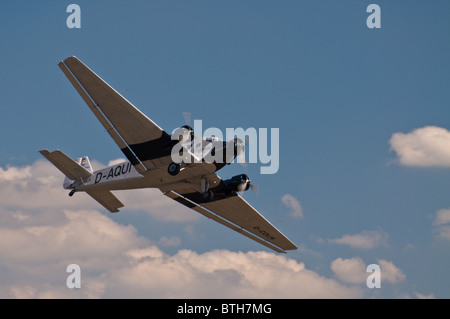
{"x":42,"y":231}
{"x":442,"y":217}
{"x":351,"y":270}
{"x":169,"y":241}
{"x":293,"y":204}
{"x":442,"y":224}
{"x":14,"y":173}
{"x":354,"y":270}
{"x":390,"y":272}
{"x":115,"y":162}
{"x":426,"y":146}
{"x":116,"y":262}
{"x":367,"y":239}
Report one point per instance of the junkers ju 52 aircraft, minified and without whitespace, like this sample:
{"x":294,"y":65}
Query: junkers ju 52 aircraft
{"x":148,"y":148}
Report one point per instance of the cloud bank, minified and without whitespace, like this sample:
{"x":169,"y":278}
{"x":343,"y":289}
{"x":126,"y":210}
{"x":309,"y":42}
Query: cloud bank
{"x":42,"y":231}
{"x":118,"y":263}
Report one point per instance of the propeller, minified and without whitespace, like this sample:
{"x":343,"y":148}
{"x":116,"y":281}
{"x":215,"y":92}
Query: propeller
{"x":254,"y":188}
{"x":246,"y":184}
{"x":187,"y":118}
{"x":242,"y":159}
{"x":239,"y":149}
{"x":184,"y":134}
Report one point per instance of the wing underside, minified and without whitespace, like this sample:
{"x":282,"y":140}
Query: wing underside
{"x":143,"y":142}
{"x":235,"y":213}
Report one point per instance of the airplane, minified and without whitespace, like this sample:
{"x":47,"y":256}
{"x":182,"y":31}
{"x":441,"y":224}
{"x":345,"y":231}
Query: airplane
{"x":191,"y":181}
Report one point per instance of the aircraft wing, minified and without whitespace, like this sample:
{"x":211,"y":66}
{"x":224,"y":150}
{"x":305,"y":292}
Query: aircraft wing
{"x":234,"y":212}
{"x":140,"y":139}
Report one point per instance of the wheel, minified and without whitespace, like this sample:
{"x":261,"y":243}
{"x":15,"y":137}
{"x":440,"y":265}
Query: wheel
{"x":208,"y":196}
{"x":174,"y":169}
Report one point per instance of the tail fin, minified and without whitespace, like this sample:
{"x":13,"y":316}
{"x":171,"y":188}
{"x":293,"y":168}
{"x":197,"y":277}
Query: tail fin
{"x":83,"y":162}
{"x":74,"y":171}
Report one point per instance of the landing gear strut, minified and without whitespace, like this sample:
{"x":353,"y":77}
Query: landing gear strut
{"x":207,"y":194}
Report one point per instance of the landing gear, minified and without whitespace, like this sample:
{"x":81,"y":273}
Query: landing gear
{"x":174,"y":169}
{"x":72,"y":192}
{"x":207,"y":196}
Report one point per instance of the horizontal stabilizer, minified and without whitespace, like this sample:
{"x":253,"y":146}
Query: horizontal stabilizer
{"x":107,"y":199}
{"x":66,"y":165}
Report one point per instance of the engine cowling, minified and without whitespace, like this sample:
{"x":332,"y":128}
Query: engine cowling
{"x":183,"y":134}
{"x":239,"y":147}
{"x":238,"y":183}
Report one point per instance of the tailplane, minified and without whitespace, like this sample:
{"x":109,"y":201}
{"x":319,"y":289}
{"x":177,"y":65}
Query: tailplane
{"x":77,"y":173}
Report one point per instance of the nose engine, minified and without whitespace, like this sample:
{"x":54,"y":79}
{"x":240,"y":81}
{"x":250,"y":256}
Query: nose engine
{"x":183,"y":134}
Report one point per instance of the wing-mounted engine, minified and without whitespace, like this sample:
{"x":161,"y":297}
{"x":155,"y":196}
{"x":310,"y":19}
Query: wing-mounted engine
{"x":238,"y":183}
{"x":226,"y":188}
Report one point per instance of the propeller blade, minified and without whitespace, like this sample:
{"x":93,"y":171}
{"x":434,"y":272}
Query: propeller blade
{"x":241,"y":159}
{"x":187,"y":118}
{"x":255,"y":189}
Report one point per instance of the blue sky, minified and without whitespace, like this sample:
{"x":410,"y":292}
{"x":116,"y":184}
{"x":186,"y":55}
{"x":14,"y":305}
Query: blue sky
{"x":338,"y":91}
